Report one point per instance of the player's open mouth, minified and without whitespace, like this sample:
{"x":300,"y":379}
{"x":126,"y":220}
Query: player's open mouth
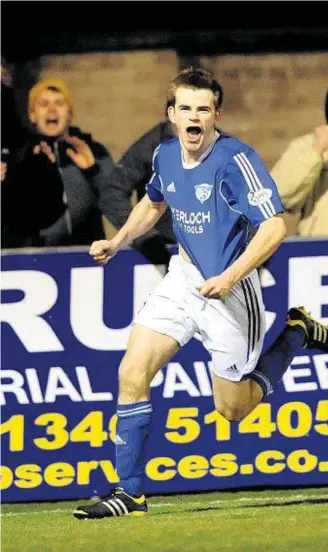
{"x":51,"y":122}
{"x":193,"y":133}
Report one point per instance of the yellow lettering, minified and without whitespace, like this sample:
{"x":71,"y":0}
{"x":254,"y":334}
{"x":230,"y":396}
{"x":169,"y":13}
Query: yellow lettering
{"x":224,"y":465}
{"x":57,"y":436}
{"x":112,"y":427}
{"x":15,"y":427}
{"x":29,"y":476}
{"x":154,"y":472}
{"x":322,"y":416}
{"x":303,"y":415}
{"x":90,"y":430}
{"x":301,"y":461}
{"x":222,"y":426}
{"x":83,"y":471}
{"x":59,"y":474}
{"x":181,"y":419}
{"x":259,"y":421}
{"x":193,"y":466}
{"x":262,"y":461}
{"x":109,"y":471}
{"x":6,"y":477}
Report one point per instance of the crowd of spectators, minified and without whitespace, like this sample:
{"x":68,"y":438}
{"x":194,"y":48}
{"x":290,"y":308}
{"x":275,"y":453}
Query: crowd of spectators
{"x":61,"y":187}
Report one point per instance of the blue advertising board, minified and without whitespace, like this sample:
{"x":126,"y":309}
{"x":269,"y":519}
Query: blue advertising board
{"x":65,"y":325}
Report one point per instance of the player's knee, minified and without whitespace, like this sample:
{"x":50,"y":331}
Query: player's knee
{"x":232,"y":413}
{"x":132,"y":382}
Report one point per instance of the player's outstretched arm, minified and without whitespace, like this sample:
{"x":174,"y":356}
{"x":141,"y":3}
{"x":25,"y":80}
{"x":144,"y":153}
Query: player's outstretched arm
{"x":267,"y":239}
{"x":142,"y":218}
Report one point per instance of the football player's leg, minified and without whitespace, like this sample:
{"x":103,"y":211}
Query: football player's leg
{"x":160,"y":329}
{"x":147,"y":352}
{"x":301,"y":331}
{"x":232,"y":331}
{"x":243,"y":375}
{"x":235,"y":399}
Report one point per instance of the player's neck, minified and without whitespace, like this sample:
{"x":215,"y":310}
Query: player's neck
{"x":189,"y":159}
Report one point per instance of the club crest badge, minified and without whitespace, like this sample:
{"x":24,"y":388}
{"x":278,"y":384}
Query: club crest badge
{"x":203,"y":191}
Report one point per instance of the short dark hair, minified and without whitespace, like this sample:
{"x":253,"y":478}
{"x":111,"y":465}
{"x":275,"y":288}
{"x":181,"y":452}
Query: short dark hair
{"x":196,"y":79}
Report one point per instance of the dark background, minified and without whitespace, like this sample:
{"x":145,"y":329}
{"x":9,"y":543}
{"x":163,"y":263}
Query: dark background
{"x":30,"y":29}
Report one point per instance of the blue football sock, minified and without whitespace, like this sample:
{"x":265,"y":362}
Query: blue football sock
{"x":132,"y":430}
{"x":273,"y":364}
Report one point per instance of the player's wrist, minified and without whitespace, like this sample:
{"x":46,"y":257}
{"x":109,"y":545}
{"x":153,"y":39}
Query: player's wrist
{"x":232,"y":276}
{"x":114,"y":245}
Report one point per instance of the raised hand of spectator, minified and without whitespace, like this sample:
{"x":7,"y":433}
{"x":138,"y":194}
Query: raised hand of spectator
{"x":321,"y":138}
{"x":3,"y":170}
{"x":81,"y":153}
{"x":46,"y":149}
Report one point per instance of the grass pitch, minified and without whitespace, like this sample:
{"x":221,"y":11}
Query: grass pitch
{"x":291,"y":520}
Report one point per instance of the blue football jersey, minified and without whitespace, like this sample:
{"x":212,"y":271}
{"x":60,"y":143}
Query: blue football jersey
{"x":217,"y":202}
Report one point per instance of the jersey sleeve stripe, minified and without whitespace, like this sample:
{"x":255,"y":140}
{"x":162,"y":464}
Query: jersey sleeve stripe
{"x":154,"y":154}
{"x":250,"y":183}
{"x":251,"y":168}
{"x":150,"y":181}
{"x":255,"y":181}
{"x":152,"y":178}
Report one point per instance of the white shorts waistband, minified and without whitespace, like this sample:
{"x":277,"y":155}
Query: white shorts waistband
{"x":187,"y":270}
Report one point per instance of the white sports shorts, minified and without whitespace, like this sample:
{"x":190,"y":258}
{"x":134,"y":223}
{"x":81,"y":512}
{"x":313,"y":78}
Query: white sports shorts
{"x":232,"y":329}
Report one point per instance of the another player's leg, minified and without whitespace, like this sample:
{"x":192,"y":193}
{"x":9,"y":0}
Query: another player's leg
{"x":146,"y":353}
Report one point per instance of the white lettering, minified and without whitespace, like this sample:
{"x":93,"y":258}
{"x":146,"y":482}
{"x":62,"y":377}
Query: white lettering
{"x":292,"y":374}
{"x":40,"y":294}
{"x":15,"y":386}
{"x":34,"y":385}
{"x":305,"y":284}
{"x":203,"y":379}
{"x":86,"y":390}
{"x":321,"y":366}
{"x":157,"y":379}
{"x":59,"y":384}
{"x":146,"y":277}
{"x":189,"y":219}
{"x":178,"y":380}
{"x":87,"y":322}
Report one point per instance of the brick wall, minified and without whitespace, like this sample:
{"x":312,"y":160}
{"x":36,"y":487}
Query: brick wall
{"x":118,"y":96}
{"x":269,"y":99}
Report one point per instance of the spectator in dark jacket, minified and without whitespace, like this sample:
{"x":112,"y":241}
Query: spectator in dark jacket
{"x":53,"y":193}
{"x":131,"y":174}
{"x":13,"y":132}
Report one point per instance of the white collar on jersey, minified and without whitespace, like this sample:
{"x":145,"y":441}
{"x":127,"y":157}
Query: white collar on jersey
{"x":205,"y":154}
